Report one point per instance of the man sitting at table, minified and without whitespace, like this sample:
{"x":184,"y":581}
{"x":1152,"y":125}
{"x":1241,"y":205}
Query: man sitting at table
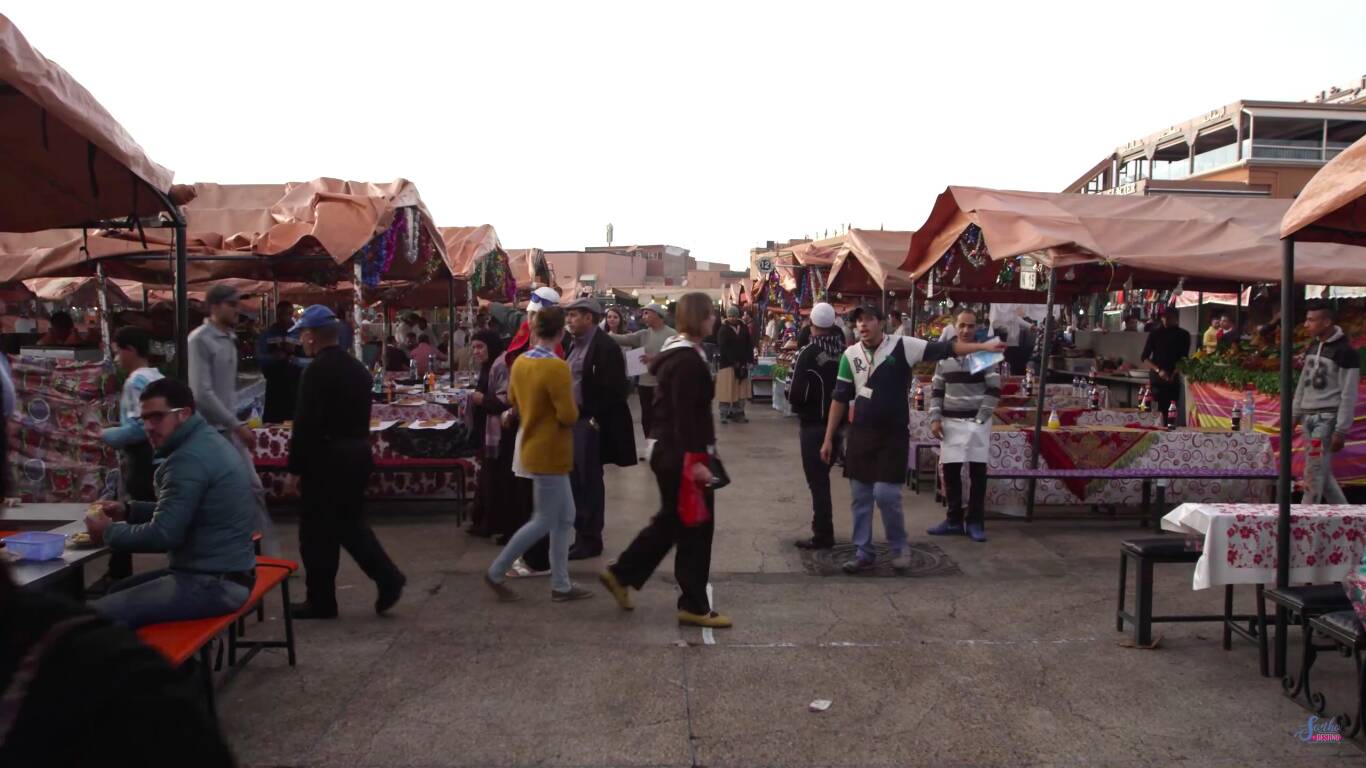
{"x":961,"y":407}
{"x":203,"y":519}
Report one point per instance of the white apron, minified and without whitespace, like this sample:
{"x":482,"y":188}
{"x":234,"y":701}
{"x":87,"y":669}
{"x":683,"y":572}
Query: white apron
{"x":965,"y":441}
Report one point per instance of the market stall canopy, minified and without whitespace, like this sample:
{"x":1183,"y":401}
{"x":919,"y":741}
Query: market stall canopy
{"x":1201,"y":237}
{"x":64,"y":160}
{"x":1332,"y":206}
{"x":80,"y":291}
{"x":528,"y":265}
{"x":294,"y":232}
{"x":868,"y":262}
{"x":475,"y":255}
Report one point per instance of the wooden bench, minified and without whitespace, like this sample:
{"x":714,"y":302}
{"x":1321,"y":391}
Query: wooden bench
{"x":1146,"y":474}
{"x":180,"y":641}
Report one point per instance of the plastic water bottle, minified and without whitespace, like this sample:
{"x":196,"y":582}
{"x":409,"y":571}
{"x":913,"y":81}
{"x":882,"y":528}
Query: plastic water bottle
{"x":377,"y":387}
{"x":1312,"y":460}
{"x":412,"y":370}
{"x":1237,"y":416}
{"x":1249,"y":410}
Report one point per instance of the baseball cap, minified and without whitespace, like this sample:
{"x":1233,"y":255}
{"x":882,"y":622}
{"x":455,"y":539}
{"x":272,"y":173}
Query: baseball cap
{"x":822,"y":315}
{"x":316,"y":316}
{"x":857,"y":312}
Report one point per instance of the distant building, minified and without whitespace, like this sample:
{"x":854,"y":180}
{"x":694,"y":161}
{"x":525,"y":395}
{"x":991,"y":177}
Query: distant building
{"x":1263,"y":148}
{"x":624,"y":270}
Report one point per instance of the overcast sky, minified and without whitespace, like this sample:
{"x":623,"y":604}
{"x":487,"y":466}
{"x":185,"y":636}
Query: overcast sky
{"x":712,"y":126}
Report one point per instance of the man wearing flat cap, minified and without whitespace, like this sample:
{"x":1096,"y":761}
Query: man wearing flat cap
{"x":213,"y":379}
{"x":329,"y":464}
{"x":605,"y":433}
{"x":651,"y":338}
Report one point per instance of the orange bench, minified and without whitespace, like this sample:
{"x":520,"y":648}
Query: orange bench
{"x":180,"y":641}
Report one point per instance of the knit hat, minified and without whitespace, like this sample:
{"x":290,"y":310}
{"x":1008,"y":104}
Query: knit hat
{"x":822,"y":315}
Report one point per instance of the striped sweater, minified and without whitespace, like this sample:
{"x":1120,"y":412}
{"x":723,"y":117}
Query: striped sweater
{"x":957,"y":394}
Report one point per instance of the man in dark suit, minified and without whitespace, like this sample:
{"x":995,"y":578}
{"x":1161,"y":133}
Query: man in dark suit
{"x":605,"y":433}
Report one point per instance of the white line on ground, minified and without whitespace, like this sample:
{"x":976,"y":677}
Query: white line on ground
{"x":708,"y":635}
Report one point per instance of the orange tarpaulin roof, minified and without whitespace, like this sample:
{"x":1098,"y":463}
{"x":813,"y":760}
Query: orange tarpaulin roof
{"x":276,"y":222}
{"x":869,"y":261}
{"x":1217,"y":238}
{"x":465,"y":246}
{"x":64,"y":160}
{"x":78,"y":290}
{"x":1332,"y":206}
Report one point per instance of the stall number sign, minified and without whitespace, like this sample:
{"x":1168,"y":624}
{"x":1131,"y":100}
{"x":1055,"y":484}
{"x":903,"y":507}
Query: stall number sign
{"x":765,"y":264}
{"x":1028,"y":274}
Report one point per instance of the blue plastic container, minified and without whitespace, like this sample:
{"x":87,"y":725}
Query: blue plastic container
{"x":36,"y":545}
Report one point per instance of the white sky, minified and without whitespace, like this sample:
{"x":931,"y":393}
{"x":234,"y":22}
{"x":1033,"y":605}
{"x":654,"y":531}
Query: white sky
{"x":712,"y":126}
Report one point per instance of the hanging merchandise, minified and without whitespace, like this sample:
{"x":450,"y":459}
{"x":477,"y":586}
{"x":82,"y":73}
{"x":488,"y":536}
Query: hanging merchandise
{"x":492,"y":277}
{"x":1010,"y":269}
{"x":973,"y":246}
{"x":378,"y":255}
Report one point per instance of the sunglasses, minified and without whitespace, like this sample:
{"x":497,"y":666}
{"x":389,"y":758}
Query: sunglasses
{"x":155,"y":417}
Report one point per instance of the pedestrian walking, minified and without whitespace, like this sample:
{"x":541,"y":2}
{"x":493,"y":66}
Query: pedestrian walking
{"x":605,"y":433}
{"x":685,"y":441}
{"x":736,"y":350}
{"x":330,"y":464}
{"x":962,"y":405}
{"x":213,"y":379}
{"x":541,"y":394}
{"x":813,"y":384}
{"x":870,"y":390}
{"x":651,"y":338}
{"x":1326,"y":396}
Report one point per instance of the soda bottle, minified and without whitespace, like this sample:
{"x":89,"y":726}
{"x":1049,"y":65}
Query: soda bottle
{"x":1095,"y":398}
{"x":1312,"y":460}
{"x":1143,"y":399}
{"x":378,"y":387}
{"x":389,"y":391}
{"x":1171,"y":417}
{"x":1237,"y":416}
{"x":919,"y":398}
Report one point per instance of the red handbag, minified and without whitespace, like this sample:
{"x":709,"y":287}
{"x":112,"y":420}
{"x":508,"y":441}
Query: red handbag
{"x":692,"y":498}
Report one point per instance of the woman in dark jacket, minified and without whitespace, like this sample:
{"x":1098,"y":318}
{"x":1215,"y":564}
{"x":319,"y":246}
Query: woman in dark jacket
{"x":685,"y":438}
{"x":486,"y":348}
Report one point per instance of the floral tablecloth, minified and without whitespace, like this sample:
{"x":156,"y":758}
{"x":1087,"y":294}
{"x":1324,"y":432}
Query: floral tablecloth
{"x":1070,"y":417}
{"x":1181,"y":448}
{"x":1326,"y":544}
{"x":272,"y":449}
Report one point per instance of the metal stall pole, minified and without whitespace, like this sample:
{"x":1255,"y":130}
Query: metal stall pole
{"x":182,"y":303}
{"x":450,"y":324}
{"x":1199,"y":315}
{"x":1286,"y":445}
{"x":357,"y":304}
{"x":106,"y":323}
{"x":1238,"y":313}
{"x":1043,"y":391}
{"x":913,"y":306}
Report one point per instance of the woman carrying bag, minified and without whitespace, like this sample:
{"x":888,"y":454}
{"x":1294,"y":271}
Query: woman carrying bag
{"x":682,"y":460}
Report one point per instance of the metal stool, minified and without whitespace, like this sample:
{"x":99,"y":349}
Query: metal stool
{"x":1147,"y":553}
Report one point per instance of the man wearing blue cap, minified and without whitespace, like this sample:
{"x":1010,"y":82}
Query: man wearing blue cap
{"x":330,"y":463}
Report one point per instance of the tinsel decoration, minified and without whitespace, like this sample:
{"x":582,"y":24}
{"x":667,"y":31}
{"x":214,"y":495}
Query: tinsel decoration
{"x":492,"y":276}
{"x":1010,"y":271}
{"x":378,"y":255}
{"x":413,"y":240}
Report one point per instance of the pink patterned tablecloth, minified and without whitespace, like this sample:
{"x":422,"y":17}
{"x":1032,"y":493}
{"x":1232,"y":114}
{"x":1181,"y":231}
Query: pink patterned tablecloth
{"x":1326,"y":544}
{"x":272,"y":449}
{"x":1181,"y":448}
{"x":1110,"y":417}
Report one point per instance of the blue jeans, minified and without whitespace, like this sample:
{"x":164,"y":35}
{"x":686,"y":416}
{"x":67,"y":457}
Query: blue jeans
{"x":888,"y":499}
{"x":554,"y":514}
{"x":166,"y":595}
{"x":1326,"y":489}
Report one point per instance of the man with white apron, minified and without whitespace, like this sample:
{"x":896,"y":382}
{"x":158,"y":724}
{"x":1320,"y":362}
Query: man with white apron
{"x":961,"y":408}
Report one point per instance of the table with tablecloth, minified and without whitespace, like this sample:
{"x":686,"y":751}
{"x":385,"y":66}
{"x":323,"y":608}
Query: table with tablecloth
{"x":1120,"y":448}
{"x":1326,"y":542}
{"x":1070,"y":417}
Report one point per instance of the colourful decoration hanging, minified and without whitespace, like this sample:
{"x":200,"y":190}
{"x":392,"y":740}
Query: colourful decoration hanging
{"x":378,"y":255}
{"x":492,"y":277}
{"x":1010,"y":271}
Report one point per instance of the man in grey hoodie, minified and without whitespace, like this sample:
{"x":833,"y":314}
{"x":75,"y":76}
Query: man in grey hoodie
{"x":1326,"y":395}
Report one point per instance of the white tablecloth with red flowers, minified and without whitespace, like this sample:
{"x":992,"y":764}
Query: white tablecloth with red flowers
{"x":1327,"y":541}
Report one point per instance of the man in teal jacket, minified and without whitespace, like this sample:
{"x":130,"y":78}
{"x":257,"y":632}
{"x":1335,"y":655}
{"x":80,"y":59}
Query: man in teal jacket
{"x":202,"y":518}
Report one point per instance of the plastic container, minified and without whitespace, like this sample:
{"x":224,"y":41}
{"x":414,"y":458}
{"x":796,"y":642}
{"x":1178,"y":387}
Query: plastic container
{"x":36,"y":545}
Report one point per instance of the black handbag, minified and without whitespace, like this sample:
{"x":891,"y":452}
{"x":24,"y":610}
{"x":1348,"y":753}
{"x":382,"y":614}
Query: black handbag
{"x":720,"y":478}
{"x":741,"y":371}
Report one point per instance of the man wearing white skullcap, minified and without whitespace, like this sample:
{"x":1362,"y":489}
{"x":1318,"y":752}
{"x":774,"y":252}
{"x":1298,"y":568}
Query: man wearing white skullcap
{"x":813,"y":382}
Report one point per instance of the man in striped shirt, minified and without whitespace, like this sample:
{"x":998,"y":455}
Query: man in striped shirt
{"x":961,"y":407}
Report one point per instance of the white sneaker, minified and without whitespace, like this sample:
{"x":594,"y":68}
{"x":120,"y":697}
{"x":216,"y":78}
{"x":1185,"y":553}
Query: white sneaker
{"x":520,"y":570}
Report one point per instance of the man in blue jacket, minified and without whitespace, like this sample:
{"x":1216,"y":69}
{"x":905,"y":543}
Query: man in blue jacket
{"x":202,"y":518}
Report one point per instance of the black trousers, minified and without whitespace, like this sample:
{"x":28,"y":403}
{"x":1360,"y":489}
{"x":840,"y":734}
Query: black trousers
{"x":332,"y":519}
{"x":812,"y":436}
{"x":953,"y":489}
{"x":590,"y":495}
{"x":692,"y":561}
{"x":647,"y":408}
{"x":1165,"y":393}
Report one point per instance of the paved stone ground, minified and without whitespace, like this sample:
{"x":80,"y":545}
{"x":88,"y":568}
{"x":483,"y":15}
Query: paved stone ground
{"x":1013,"y":662}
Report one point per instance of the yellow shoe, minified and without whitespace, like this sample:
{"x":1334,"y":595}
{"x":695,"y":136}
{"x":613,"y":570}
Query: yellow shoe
{"x":618,"y":590}
{"x":713,"y":620}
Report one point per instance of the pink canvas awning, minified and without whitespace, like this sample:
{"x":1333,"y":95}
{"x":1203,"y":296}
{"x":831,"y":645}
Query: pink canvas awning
{"x":64,"y":160}
{"x":1332,"y":206}
{"x":465,"y":246}
{"x":869,"y":262}
{"x":1215,"y":238}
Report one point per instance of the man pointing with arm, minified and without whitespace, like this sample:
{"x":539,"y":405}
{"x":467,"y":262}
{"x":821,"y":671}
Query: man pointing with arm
{"x":870,"y":389}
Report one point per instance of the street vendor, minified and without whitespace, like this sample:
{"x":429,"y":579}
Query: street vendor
{"x":1167,"y":345}
{"x":61,"y":332}
{"x":962,"y":404}
{"x":874,"y":376}
{"x":651,"y":338}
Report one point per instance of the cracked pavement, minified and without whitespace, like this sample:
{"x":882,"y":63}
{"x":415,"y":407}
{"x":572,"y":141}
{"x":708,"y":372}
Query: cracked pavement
{"x":1015,"y":662}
